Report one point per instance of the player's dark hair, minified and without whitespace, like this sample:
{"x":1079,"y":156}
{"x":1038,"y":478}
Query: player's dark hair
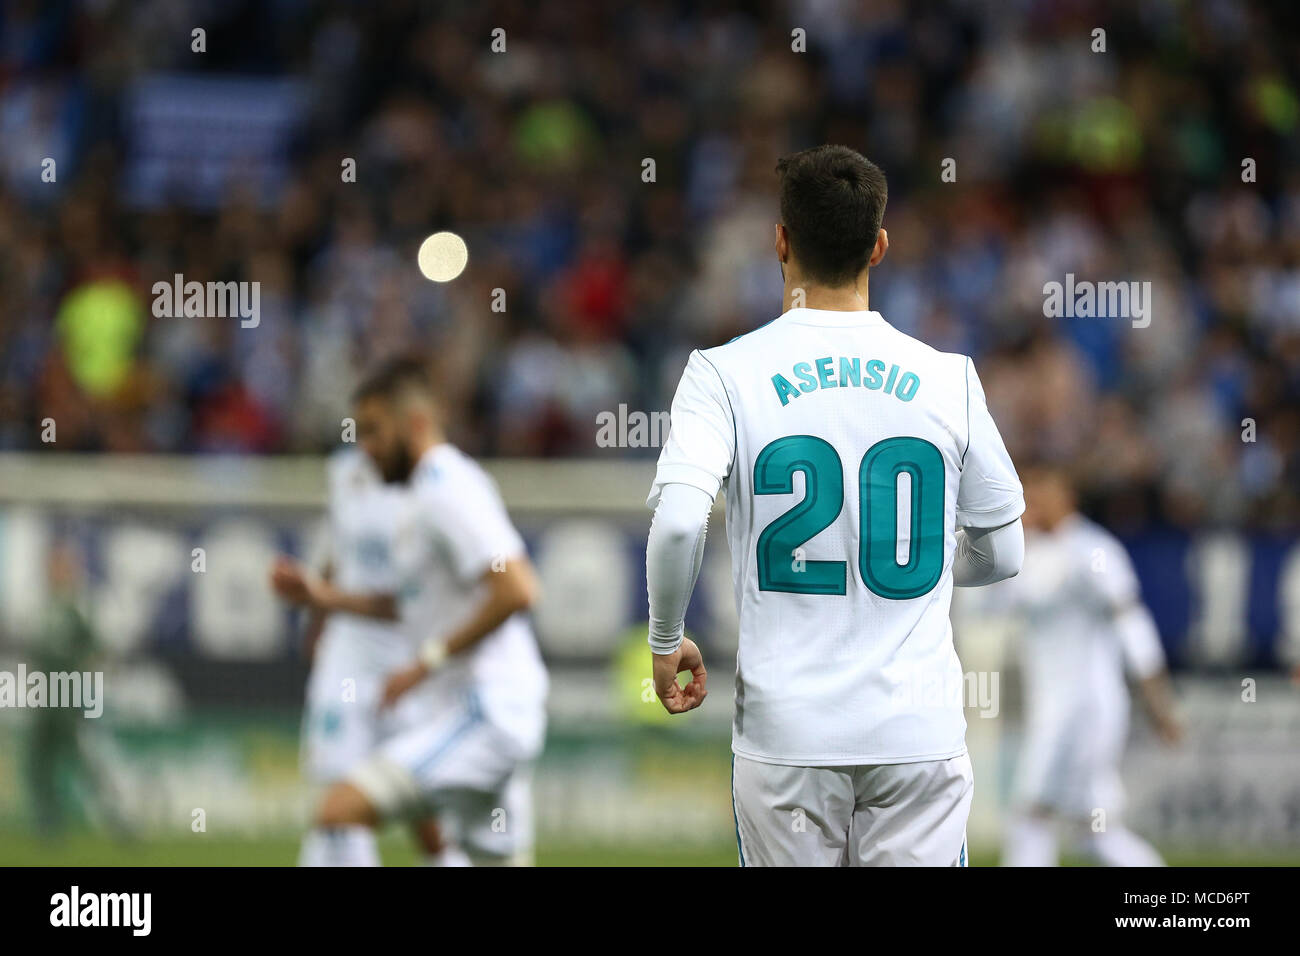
{"x":832,"y":202}
{"x":394,"y":377}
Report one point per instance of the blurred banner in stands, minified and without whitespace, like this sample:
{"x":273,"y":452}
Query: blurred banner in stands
{"x":204,"y":673}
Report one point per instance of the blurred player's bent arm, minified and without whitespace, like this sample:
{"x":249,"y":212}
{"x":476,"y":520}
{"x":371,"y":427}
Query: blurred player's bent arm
{"x":1144,"y":658}
{"x":299,"y":585}
{"x":507,"y":592}
{"x":315,"y":626}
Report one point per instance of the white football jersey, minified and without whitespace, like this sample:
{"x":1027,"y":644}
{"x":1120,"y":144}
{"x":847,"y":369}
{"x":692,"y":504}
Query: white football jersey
{"x":365,"y":514}
{"x":850,"y":453}
{"x":1076,"y":579}
{"x":457,"y":531}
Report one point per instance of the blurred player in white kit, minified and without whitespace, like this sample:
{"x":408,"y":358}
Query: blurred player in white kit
{"x":462,"y":584}
{"x":352,"y":655}
{"x":1085,"y":628}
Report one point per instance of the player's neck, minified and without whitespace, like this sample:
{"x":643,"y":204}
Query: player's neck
{"x":806,"y":295}
{"x":1062,"y":520}
{"x":423,"y":444}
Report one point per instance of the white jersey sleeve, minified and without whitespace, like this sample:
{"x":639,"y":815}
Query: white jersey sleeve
{"x":344,"y":470}
{"x":322,"y":554}
{"x":471,"y":528}
{"x":1115,"y":588}
{"x":1140,"y":642}
{"x":989,"y":495}
{"x":1112,"y":581}
{"x":701,"y":444}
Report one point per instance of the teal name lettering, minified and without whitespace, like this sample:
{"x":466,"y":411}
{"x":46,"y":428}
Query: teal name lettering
{"x":841,"y":372}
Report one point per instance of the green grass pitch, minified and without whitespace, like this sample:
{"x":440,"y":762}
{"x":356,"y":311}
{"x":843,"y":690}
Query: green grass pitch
{"x":207,"y":850}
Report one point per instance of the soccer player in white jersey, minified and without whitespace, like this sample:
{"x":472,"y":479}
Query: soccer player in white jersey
{"x":864,"y":478}
{"x":1085,"y":628}
{"x":351,"y":656}
{"x":465,"y":582}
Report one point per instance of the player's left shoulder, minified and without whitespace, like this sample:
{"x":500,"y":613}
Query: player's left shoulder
{"x":948,"y":378}
{"x":744,"y":349}
{"x":713,"y":362}
{"x":956,"y":368}
{"x":711,"y":370}
{"x":450,"y":477}
{"x":349,"y":468}
{"x":1097,"y":542}
{"x":951,"y":368}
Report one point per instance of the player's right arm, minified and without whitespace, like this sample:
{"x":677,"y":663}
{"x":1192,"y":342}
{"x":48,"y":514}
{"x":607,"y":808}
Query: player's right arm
{"x":987,"y":555}
{"x":1115,"y":584}
{"x":1144,"y":658}
{"x":299,"y":585}
{"x":316,"y":621}
{"x":1157,"y":695}
{"x":296,"y":583}
{"x":673,"y":554}
{"x":695,"y":461}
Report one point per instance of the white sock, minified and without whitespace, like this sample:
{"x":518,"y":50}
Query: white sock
{"x":450,"y":855}
{"x":339,"y":846}
{"x":1120,"y":846}
{"x":314,"y":849}
{"x":1030,"y":841}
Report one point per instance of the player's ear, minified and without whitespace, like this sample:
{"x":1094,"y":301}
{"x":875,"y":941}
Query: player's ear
{"x":882,"y":246}
{"x":782,"y":244}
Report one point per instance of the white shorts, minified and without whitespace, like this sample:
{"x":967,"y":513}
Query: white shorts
{"x":341,"y":723}
{"x":1072,"y":767}
{"x":464,"y":767}
{"x":910,"y":814}
{"x":342,"y":720}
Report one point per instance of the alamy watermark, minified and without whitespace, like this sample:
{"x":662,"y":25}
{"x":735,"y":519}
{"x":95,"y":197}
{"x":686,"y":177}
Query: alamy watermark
{"x":929,"y":691}
{"x":208,"y":300}
{"x":133,"y":911}
{"x":631,"y":429}
{"x":72,"y":689}
{"x":1087,"y":300}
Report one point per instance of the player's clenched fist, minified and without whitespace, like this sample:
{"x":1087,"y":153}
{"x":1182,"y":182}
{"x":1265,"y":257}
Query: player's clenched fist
{"x":675,"y":698}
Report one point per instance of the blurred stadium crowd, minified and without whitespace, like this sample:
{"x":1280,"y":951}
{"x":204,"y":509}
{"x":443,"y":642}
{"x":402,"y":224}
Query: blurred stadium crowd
{"x":228,"y":164}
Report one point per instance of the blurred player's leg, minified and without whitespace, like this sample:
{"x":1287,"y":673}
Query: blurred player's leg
{"x":95,"y":755}
{"x":1114,"y":844}
{"x":1120,"y":846}
{"x":339,"y":846}
{"x":1030,"y":840}
{"x":1054,"y":786}
{"x":435,"y":849}
{"x":497,"y":828}
{"x":912,"y":814}
{"x":338,"y":732}
{"x":48,"y":746}
{"x":463,"y":764}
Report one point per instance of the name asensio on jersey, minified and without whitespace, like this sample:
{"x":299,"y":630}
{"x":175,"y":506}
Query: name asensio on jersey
{"x":853,"y":373}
